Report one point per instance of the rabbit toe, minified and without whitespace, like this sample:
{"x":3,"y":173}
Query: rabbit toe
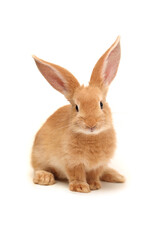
{"x":95,"y":185}
{"x":78,"y":186}
{"x":43,"y":178}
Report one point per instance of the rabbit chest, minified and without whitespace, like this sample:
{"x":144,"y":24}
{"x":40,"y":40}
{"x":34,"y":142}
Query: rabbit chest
{"x":93,"y":150}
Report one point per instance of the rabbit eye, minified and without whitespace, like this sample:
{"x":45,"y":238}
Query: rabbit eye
{"x":77,"y":108}
{"x":101,"y":105}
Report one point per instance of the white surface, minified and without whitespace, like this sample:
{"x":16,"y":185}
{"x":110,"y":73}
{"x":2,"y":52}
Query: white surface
{"x":74,"y":34}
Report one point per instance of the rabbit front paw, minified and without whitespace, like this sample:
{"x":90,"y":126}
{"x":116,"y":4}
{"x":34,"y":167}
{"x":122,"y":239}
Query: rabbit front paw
{"x":95,"y":185}
{"x":79,"y":186}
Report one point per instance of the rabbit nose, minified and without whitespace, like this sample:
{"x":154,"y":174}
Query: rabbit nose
{"x":91,"y":124}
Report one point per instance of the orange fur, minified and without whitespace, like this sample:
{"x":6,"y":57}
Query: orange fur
{"x":77,"y":145}
{"x":93,"y":178}
{"x":77,"y":178}
{"x":43,"y":177}
{"x":110,"y":175}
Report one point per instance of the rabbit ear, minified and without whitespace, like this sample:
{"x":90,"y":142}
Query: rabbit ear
{"x":58,"y":77}
{"x":107,"y":66}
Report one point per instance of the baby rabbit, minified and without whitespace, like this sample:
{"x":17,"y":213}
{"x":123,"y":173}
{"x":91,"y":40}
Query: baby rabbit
{"x":78,"y":140}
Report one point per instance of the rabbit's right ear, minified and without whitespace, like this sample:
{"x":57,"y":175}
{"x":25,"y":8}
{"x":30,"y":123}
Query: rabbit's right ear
{"x":58,"y":77}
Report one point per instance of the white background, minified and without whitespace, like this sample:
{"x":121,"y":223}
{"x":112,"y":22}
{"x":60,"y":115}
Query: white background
{"x":74,"y":34}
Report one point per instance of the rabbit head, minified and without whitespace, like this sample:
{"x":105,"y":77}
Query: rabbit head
{"x":90,"y":113}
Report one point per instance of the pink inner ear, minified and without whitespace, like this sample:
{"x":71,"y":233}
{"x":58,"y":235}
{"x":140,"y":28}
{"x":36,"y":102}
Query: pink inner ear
{"x":52,"y":76}
{"x":55,"y":80}
{"x":111,"y":65}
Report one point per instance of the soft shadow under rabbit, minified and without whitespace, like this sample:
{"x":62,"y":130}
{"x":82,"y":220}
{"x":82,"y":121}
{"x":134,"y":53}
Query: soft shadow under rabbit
{"x":78,"y":140}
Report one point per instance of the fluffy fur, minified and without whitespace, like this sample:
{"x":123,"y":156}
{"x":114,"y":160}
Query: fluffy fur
{"x":77,"y":143}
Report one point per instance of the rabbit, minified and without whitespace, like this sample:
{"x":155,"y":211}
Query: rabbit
{"x":77,"y":142}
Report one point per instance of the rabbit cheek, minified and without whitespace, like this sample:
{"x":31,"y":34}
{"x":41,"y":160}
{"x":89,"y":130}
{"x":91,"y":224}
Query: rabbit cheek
{"x":78,"y":125}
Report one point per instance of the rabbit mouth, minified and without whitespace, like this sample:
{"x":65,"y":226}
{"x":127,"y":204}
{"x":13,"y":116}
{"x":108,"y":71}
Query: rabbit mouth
{"x":94,"y":130}
{"x":81,"y":127}
{"x":91,"y":131}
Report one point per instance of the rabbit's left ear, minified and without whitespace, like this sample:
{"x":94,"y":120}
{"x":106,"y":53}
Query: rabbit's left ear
{"x":107,"y":66}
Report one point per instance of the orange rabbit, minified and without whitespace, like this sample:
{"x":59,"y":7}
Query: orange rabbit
{"x":78,"y":140}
